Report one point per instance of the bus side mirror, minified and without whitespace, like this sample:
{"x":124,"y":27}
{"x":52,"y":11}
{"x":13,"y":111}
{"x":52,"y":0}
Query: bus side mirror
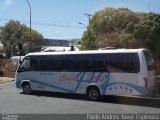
{"x":20,"y":61}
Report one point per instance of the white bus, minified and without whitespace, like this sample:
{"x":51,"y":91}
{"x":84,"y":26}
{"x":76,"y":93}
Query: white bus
{"x":95,"y":73}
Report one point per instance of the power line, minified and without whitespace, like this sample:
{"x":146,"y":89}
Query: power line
{"x":43,"y":24}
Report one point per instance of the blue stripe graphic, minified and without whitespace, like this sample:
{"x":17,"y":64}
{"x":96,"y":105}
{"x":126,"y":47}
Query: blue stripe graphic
{"x":81,"y":75}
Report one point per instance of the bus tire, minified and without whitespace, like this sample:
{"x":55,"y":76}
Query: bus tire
{"x":26,"y":88}
{"x":93,"y":93}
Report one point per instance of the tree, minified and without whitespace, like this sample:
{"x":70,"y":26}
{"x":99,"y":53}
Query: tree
{"x":108,"y":24}
{"x":146,"y":31}
{"x":107,"y":40}
{"x":122,"y":28}
{"x":88,"y":41}
{"x":13,"y":33}
{"x":36,"y":40}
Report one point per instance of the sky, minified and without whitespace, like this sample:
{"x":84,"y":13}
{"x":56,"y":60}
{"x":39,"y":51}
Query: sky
{"x":59,"y":19}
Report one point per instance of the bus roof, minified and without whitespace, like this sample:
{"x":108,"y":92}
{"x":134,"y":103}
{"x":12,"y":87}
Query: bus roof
{"x":87,"y":52}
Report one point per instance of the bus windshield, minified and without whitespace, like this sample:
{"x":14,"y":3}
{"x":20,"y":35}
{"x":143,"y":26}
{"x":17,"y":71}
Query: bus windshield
{"x":25,"y":66}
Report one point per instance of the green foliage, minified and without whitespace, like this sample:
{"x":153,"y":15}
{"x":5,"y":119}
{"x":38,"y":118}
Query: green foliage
{"x":122,"y":28}
{"x":13,"y":33}
{"x":148,"y":32}
{"x":88,"y":41}
{"x":107,"y":24}
{"x":129,"y":41}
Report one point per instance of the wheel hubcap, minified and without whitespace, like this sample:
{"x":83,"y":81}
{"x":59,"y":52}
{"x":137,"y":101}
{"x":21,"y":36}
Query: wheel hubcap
{"x":27,"y":88}
{"x":93,"y":94}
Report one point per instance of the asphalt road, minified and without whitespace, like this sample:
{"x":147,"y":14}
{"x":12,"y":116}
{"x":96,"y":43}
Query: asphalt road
{"x":13,"y":101}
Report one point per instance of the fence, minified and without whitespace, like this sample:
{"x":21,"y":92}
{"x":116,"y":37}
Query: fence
{"x":8,"y":69}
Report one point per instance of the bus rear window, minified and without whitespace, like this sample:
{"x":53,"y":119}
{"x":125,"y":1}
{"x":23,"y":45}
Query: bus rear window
{"x":149,"y":60}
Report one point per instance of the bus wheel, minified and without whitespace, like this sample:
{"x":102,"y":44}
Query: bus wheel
{"x":93,"y":93}
{"x":27,"y":88}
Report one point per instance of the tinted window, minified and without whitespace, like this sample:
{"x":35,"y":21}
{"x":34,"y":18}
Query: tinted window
{"x":80,"y":63}
{"x":117,"y":63}
{"x":101,"y":63}
{"x":49,"y":63}
{"x":60,"y":63}
{"x":132,"y":63}
{"x":41,"y":63}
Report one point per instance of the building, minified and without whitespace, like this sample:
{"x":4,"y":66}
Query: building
{"x":55,"y":42}
{"x":57,"y":45}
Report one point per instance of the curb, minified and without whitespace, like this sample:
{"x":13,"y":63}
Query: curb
{"x":6,"y":81}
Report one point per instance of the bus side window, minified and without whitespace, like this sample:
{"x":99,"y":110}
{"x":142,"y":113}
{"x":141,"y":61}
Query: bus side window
{"x":89,"y":66}
{"x":111,"y":58}
{"x":81,"y":63}
{"x":34,"y":64}
{"x":132,"y":63}
{"x":101,"y":63}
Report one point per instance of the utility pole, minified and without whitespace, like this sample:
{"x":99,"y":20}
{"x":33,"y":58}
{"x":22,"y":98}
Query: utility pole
{"x":89,"y":17}
{"x":30,"y":37}
{"x":149,"y":5}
